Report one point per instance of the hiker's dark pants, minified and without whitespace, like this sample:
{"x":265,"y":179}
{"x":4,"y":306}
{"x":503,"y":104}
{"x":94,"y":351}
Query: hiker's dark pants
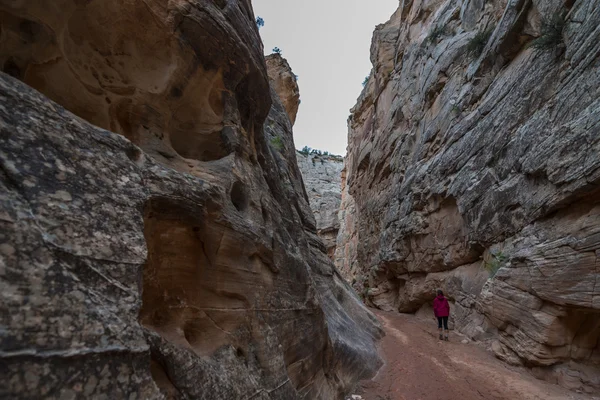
{"x":444,"y":320}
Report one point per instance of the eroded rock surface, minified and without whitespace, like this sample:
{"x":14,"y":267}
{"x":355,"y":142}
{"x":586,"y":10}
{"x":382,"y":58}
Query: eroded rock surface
{"x":179,"y":259}
{"x":469,"y":148}
{"x":322,"y":178}
{"x":285,"y":83}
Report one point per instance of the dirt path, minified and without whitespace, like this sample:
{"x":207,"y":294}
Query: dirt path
{"x":420,"y":367}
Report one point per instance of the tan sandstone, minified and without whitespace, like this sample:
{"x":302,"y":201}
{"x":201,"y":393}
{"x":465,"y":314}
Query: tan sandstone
{"x":156,"y":239}
{"x":469,"y":148}
{"x":285,"y":83}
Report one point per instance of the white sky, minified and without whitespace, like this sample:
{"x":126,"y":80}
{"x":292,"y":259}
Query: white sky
{"x":327,"y":43}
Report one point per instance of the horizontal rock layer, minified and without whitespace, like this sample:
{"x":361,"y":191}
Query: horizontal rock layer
{"x":474,"y":148}
{"x":179,"y":259}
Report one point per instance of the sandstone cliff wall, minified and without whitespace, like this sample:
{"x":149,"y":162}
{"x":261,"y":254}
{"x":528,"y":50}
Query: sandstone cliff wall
{"x":285,"y":83}
{"x":322,"y":178}
{"x":321,"y":174}
{"x":474,"y":146}
{"x":179,"y":259}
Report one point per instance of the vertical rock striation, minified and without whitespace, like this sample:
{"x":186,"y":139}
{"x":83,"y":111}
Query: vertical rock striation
{"x":322,"y":178}
{"x":345,"y":255}
{"x":321,"y":173}
{"x":475,"y":146}
{"x":178,"y":258}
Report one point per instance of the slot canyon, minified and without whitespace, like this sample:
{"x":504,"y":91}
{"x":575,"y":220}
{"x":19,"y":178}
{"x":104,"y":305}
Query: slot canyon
{"x":162,"y":237}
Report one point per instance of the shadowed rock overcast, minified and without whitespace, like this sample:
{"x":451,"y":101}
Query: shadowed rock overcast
{"x":327,"y":44}
{"x":161,"y":238}
{"x":156,"y":240}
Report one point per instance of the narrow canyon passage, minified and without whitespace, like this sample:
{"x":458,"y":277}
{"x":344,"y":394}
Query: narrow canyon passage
{"x":420,"y":367}
{"x":162,"y":237}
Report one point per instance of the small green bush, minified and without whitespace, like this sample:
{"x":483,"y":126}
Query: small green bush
{"x":551,"y":33}
{"x":365,"y":81}
{"x":277,"y":143}
{"x":496,"y":261}
{"x":260,"y":22}
{"x":477,"y":44}
{"x":277,"y":50}
{"x":316,"y":152}
{"x":305,"y":150}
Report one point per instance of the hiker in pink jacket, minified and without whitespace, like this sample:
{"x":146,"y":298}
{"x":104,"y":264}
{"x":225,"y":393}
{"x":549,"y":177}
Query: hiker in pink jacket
{"x":441,"y":309}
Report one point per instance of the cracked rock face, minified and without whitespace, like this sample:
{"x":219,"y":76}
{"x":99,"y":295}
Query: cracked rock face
{"x":177,"y":257}
{"x":322,"y":178}
{"x":470,"y":150}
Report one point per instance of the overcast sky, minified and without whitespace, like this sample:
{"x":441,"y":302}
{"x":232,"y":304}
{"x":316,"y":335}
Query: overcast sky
{"x":327,"y":43}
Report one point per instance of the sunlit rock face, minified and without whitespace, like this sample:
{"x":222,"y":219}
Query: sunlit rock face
{"x":177,"y":257}
{"x":285,"y":83}
{"x":322,"y":178}
{"x":469,"y":147}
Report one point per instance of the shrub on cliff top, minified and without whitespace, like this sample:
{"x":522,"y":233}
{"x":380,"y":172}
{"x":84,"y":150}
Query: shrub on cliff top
{"x":260,"y":22}
{"x":551,"y":33}
{"x":305,"y":150}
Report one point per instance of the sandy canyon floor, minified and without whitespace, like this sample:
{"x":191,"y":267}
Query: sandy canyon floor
{"x":418,"y":366}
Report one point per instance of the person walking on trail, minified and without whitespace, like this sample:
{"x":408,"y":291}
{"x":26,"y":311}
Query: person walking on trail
{"x":441,"y":309}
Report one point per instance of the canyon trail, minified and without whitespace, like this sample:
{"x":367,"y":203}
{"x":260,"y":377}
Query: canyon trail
{"x":418,"y":366}
{"x":157,"y":239}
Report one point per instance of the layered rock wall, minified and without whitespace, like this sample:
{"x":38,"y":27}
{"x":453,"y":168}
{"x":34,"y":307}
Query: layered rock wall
{"x":474,"y":147}
{"x":179,"y":259}
{"x":322,"y":178}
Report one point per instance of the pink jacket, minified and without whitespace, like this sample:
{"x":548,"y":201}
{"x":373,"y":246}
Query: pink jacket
{"x":441,"y":308}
